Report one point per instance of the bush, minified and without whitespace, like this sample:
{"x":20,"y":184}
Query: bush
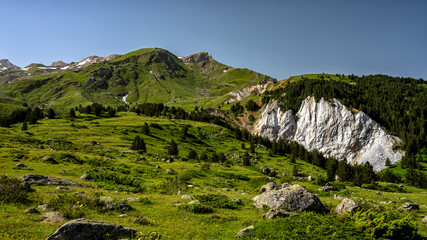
{"x":76,"y":205}
{"x":13,"y":190}
{"x":196,"y":208}
{"x":361,"y":225}
{"x":116,"y":181}
{"x":216,"y":201}
{"x":172,"y":186}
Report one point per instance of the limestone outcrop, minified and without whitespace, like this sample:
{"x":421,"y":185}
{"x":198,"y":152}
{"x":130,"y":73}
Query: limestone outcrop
{"x":331,"y":128}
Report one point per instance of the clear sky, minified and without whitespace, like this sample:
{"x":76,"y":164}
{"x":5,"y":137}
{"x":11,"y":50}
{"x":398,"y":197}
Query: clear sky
{"x":277,"y":38}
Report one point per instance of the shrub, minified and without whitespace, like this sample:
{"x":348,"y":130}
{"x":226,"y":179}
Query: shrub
{"x":13,"y":190}
{"x":360,"y":225}
{"x":76,"y":205}
{"x":172,"y":186}
{"x":216,"y":201}
{"x":196,"y":208}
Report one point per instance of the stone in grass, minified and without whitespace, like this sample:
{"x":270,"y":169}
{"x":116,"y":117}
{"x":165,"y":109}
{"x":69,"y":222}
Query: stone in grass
{"x":117,"y":207}
{"x":244,"y":231}
{"x":20,"y":165}
{"x":347,"y":205}
{"x":62,"y":188}
{"x":54,"y":217}
{"x":50,"y":160}
{"x":86,"y":177}
{"x":410,"y":206}
{"x":278,"y":213}
{"x":424,"y":220}
{"x":32,"y":211}
{"x":82,"y":229}
{"x":45,"y":207}
{"x":106,"y":199}
{"x":187,"y":197}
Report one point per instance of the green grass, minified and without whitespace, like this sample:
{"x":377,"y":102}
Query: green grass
{"x":68,"y":141}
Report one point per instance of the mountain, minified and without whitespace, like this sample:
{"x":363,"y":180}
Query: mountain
{"x":6,"y":64}
{"x":146,"y":75}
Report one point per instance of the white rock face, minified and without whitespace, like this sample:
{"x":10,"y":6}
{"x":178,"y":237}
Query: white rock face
{"x":241,"y":94}
{"x":332,"y":129}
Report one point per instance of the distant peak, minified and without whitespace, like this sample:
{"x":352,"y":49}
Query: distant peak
{"x":202,"y":57}
{"x":6,"y":64}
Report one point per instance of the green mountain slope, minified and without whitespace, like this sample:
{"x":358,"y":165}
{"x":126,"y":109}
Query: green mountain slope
{"x":146,"y":75}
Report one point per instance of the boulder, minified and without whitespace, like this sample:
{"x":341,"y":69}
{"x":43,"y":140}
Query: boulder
{"x":424,"y":220}
{"x":86,"y":177}
{"x":346,"y":205}
{"x":63,"y":188}
{"x":45,"y":207}
{"x":45,"y":180}
{"x":117,"y":207}
{"x":410,"y":206}
{"x":106,"y":199}
{"x":54,"y":217}
{"x":187,"y":197}
{"x":20,"y":165}
{"x":82,"y":229}
{"x":278,"y":213}
{"x":244,"y":231}
{"x":328,"y":188}
{"x":293,"y":198}
{"x":32,"y":211}
{"x":270,"y":186}
{"x":49,"y":160}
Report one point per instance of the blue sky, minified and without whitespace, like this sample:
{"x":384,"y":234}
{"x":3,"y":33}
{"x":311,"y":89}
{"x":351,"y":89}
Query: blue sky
{"x":277,"y":38}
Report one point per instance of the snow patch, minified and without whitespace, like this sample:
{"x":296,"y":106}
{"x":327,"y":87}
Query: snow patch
{"x":65,"y":68}
{"x":124,"y":98}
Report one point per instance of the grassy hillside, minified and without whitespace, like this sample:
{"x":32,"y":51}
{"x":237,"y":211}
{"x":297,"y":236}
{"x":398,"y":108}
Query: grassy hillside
{"x":121,"y":173}
{"x":146,"y":75}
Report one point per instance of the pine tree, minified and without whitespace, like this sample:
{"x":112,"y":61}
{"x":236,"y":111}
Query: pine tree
{"x":387,"y":162}
{"x":138,"y":144}
{"x":50,"y":113}
{"x":173,"y":148}
{"x":24,"y":126}
{"x":294,"y":171}
{"x":246,"y":159}
{"x":146,"y":129}
{"x":293,"y":159}
{"x":192,"y":154}
{"x":72,"y":113}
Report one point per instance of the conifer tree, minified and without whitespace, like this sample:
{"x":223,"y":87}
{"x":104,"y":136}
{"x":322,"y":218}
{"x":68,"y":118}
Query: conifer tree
{"x":146,"y":129}
{"x":173,"y":148}
{"x":138,"y":144}
{"x":72,"y":113}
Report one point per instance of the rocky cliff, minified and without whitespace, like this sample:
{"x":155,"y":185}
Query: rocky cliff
{"x":331,"y":128}
{"x":6,"y":64}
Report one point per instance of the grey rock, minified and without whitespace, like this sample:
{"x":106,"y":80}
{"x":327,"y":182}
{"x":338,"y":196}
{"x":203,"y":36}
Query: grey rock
{"x":404,"y":198}
{"x":32,"y":211}
{"x":132,"y":199}
{"x":93,"y":142}
{"x":54,"y":217}
{"x":293,"y":198}
{"x":187,"y":197}
{"x":45,"y":207}
{"x":83,"y":229}
{"x":244,"y":231}
{"x":331,"y":128}
{"x":86,"y":177}
{"x":278,"y":213}
{"x":20,"y":165}
{"x":63,"y":188}
{"x":194,"y":202}
{"x":328,"y":188}
{"x":270,"y":186}
{"x":347,"y":205}
{"x":310,"y":178}
{"x":123,"y":215}
{"x":106,"y":199}
{"x":410,"y":206}
{"x":117,"y":207}
{"x":50,"y":160}
{"x":424,"y":220}
{"x":236,"y":200}
{"x":46,"y":180}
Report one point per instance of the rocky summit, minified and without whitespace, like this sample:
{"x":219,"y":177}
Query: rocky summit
{"x":6,"y":64}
